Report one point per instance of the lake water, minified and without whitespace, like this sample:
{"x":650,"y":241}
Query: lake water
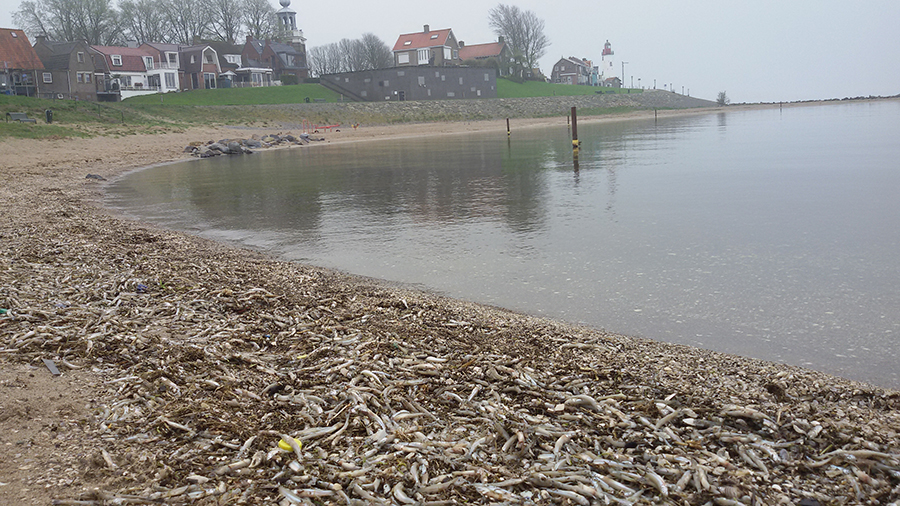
{"x":765,"y":233}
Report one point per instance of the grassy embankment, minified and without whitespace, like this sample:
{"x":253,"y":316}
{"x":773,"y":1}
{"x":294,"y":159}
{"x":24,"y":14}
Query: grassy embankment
{"x":232,"y":106}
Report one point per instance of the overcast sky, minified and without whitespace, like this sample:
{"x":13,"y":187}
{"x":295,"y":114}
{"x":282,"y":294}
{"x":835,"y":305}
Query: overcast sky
{"x":755,"y":50}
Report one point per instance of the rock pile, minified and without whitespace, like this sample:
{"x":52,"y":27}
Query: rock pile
{"x":246,"y":146}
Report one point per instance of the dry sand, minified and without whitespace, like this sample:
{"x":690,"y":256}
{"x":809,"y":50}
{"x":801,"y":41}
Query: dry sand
{"x":107,"y":299}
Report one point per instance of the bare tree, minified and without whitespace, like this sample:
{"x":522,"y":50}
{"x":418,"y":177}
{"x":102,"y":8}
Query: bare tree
{"x":92,"y":20}
{"x":375,"y":53}
{"x":98,"y":22}
{"x":259,"y":19}
{"x":226,"y":19}
{"x":35,"y":19}
{"x":522,"y":30}
{"x":187,"y":19}
{"x":144,"y":20}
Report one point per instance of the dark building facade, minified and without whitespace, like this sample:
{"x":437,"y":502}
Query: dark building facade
{"x":415,"y":83}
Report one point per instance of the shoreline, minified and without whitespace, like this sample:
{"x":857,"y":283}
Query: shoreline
{"x":192,"y":334}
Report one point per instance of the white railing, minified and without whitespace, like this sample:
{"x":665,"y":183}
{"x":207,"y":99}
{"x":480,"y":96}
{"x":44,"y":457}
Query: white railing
{"x":164,"y":66}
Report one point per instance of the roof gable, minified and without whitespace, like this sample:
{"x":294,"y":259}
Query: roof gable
{"x":421,"y":40}
{"x":16,"y":52}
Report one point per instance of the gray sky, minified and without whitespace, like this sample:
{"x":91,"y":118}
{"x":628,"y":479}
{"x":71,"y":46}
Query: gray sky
{"x":755,"y":50}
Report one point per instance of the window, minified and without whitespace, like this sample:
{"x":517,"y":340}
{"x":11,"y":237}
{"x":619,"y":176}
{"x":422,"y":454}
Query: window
{"x":487,"y":77}
{"x":209,"y":80}
{"x":451,"y":94}
{"x":79,"y":77}
{"x":401,"y":73}
{"x":423,"y":56}
{"x":48,"y":77}
{"x":446,"y":53}
{"x":421,"y":80}
{"x":434,"y":36}
{"x":363,"y":93}
{"x":117,"y":60}
{"x":80,"y":57}
{"x":148,"y":62}
{"x":172,"y":57}
{"x":170,"y":80}
{"x":367,"y":80}
{"x":408,"y":42}
{"x":403,"y":58}
{"x":460,"y":81}
{"x":192,"y":59}
{"x":87,"y":77}
{"x":209,"y":58}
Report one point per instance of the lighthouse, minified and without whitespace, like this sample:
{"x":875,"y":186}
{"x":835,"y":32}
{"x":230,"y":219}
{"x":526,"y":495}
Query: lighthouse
{"x":607,"y":70}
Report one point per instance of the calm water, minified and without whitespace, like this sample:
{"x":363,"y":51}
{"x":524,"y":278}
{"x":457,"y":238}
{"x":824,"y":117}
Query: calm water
{"x":772,"y":234}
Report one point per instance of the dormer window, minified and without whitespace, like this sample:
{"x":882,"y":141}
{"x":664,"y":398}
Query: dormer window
{"x":117,"y":60}
{"x":148,"y":62}
{"x":80,"y":57}
{"x":192,"y":59}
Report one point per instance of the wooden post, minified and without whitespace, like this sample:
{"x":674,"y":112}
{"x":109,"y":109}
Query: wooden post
{"x":507,"y":127}
{"x":575,"y":141}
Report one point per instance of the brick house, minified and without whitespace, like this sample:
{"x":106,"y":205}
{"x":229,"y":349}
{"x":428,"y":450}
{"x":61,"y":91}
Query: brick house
{"x":428,"y":47}
{"x":497,"y":54}
{"x":71,"y":68}
{"x":572,"y":70}
{"x":21,"y":70}
{"x":199,"y":67}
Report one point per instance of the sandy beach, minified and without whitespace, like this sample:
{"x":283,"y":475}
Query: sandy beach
{"x":184,"y":362}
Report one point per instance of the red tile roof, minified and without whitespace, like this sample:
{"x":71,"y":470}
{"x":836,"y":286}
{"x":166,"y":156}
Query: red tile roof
{"x":16,"y":52}
{"x":132,"y":58}
{"x":422,"y":39}
{"x":481,"y":50}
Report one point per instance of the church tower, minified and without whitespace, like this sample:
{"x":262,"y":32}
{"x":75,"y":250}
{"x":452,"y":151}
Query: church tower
{"x":288,"y":19}
{"x":607,"y":69}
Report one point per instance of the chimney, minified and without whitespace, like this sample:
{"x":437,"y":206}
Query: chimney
{"x":427,"y":29}
{"x":500,"y":39}
{"x":462,"y":44}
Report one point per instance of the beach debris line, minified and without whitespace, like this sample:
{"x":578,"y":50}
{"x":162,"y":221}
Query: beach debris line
{"x":221,"y":364}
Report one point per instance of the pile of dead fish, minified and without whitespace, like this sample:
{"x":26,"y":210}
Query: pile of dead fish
{"x":236,"y":379}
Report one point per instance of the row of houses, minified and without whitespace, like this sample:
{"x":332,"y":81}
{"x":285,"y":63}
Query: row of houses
{"x":581,"y":71}
{"x":76,"y":70}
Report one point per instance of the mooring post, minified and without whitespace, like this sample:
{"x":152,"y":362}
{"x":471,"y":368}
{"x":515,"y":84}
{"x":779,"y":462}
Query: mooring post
{"x":655,"y":118}
{"x":575,"y":141}
{"x":507,"y":127}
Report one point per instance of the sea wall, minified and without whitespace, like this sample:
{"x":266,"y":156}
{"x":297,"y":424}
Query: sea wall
{"x":484,"y":109}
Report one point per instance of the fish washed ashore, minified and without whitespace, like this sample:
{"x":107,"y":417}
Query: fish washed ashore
{"x":195,"y":372}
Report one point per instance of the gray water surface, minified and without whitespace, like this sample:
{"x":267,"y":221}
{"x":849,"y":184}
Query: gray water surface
{"x":771,"y":234}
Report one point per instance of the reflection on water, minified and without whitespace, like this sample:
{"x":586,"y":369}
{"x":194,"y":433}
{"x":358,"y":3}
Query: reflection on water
{"x":762,"y":233}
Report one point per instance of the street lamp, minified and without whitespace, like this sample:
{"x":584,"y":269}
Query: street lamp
{"x":639,"y":83}
{"x":623,"y":72}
